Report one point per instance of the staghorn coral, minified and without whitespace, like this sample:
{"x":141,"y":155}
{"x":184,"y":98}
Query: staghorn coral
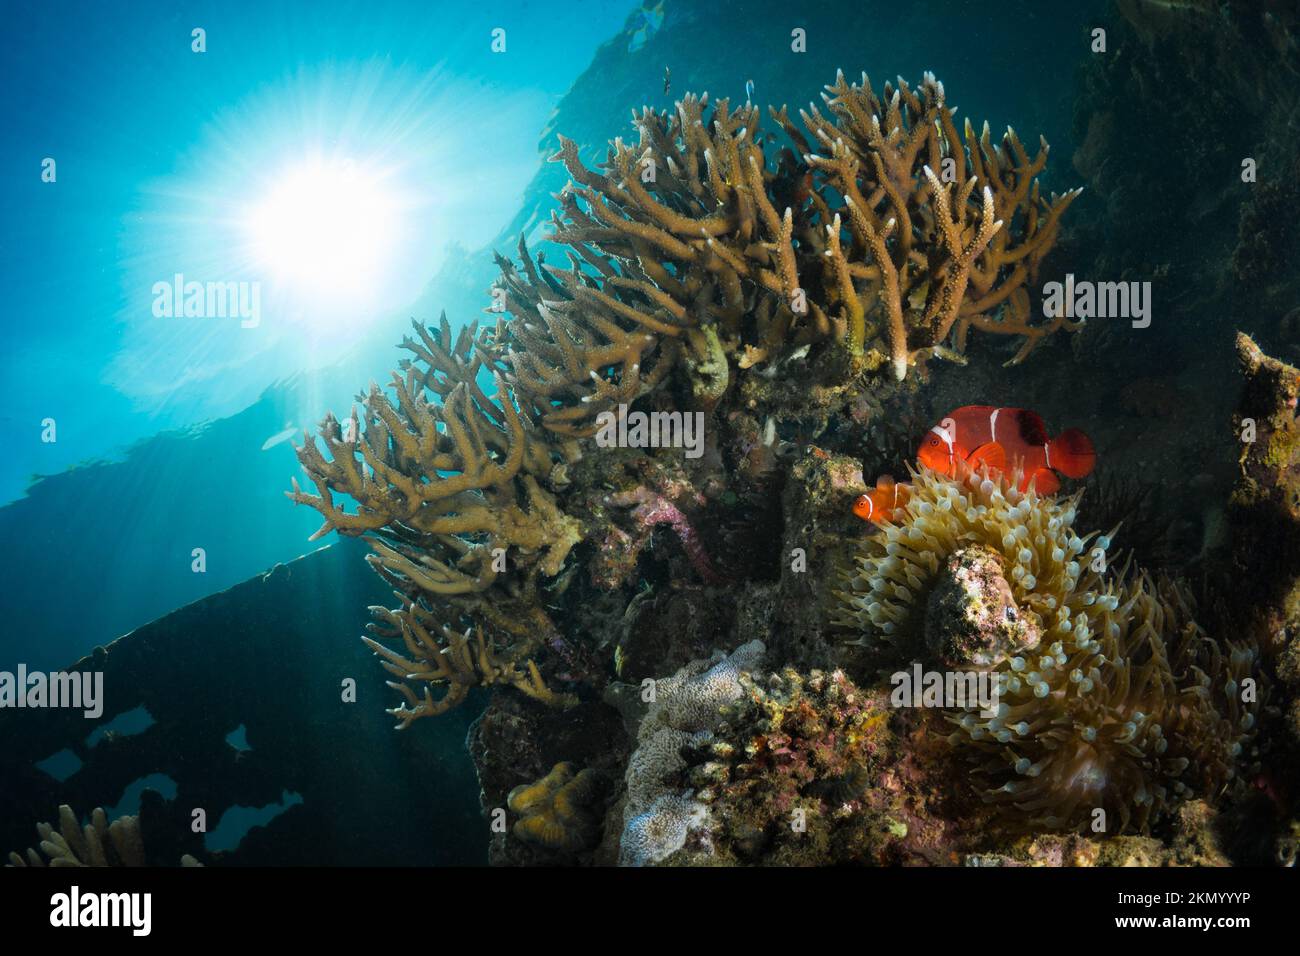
{"x":98,"y":843}
{"x":439,"y":484}
{"x":447,"y":484}
{"x":556,"y":812}
{"x":707,"y":243}
{"x":458,"y":661}
{"x":955,"y":225}
{"x":1112,"y":697}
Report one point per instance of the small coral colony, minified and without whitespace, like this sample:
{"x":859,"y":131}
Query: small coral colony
{"x":787,"y":285}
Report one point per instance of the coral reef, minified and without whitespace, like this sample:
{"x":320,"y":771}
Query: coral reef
{"x":1112,"y":697}
{"x":781,"y":286}
{"x":879,"y":234}
{"x":98,"y":843}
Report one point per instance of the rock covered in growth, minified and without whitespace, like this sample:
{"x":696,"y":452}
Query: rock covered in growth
{"x":1194,"y":840}
{"x":972,"y":618}
{"x":809,"y":769}
{"x":1264,"y":512}
{"x":1115,"y":700}
{"x":743,"y":767}
{"x":687,"y":709}
{"x":1265,"y":504}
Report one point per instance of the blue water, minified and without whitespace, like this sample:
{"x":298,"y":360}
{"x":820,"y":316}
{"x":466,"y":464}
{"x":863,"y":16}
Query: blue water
{"x":158,"y":152}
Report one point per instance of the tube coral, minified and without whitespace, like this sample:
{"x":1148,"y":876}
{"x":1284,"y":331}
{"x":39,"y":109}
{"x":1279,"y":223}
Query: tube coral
{"x":1112,"y":697}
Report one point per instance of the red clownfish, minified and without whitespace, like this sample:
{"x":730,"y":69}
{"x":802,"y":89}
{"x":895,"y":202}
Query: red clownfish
{"x":881,"y":501}
{"x":999,"y":438}
{"x":1007,"y":437}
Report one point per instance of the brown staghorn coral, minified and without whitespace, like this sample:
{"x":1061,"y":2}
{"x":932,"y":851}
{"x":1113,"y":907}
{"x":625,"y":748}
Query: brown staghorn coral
{"x":692,"y":244}
{"x":955,"y":226}
{"x":457,"y":661}
{"x":98,"y":843}
{"x":448,"y":487}
{"x":1112,"y":697}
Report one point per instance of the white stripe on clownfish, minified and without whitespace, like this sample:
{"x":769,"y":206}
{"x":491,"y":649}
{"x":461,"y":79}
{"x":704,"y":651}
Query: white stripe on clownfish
{"x":947,"y":439}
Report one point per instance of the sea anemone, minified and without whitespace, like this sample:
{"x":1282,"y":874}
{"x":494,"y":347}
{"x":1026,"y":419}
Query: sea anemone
{"x":1114,"y":705}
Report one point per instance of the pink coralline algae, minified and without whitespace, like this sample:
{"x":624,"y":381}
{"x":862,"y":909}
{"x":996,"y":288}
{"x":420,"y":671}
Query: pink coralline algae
{"x":652,"y":509}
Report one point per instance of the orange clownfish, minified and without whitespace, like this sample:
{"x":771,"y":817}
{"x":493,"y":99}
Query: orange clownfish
{"x":1007,"y":437}
{"x":999,"y":438}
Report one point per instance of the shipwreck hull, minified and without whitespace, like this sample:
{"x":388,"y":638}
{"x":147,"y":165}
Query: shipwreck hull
{"x":270,"y":655}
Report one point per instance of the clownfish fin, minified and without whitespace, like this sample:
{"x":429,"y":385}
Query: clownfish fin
{"x":902,"y":495}
{"x":1044,"y":481}
{"x":1072,"y":453}
{"x":991,"y":454}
